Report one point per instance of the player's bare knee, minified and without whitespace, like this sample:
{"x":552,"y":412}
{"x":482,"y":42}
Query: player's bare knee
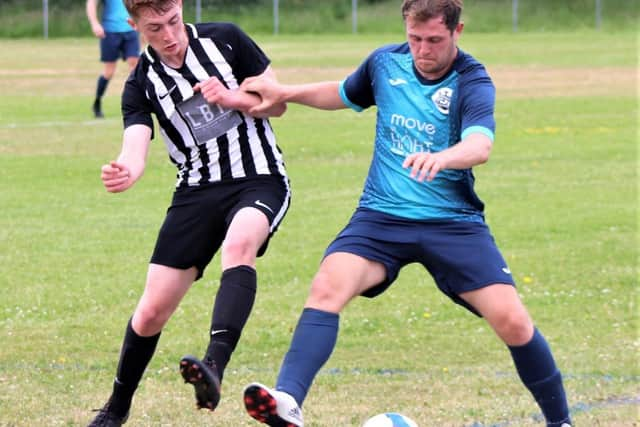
{"x":514,"y":328}
{"x":320,"y":291}
{"x":238,"y":250}
{"x":326,"y":295}
{"x":149,"y":320}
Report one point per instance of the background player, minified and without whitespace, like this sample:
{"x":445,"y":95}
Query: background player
{"x":117,"y":40}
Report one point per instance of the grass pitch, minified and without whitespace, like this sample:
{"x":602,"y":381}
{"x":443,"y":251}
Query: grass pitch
{"x":562,"y":199}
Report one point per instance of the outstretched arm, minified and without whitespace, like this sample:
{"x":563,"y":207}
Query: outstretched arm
{"x":473,"y":150}
{"x":217,"y":93}
{"x":121,"y":174}
{"x":321,"y":95}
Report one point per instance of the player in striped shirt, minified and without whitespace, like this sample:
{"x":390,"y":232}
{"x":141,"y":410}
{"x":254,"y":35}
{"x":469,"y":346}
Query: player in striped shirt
{"x":232,"y":190}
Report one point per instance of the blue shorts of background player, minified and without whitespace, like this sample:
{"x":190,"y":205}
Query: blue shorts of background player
{"x":116,"y":46}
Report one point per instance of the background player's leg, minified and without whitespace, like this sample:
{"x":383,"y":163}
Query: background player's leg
{"x":101,"y":87}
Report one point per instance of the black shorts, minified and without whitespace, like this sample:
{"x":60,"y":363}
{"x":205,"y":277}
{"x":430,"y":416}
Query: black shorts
{"x":198,"y":218}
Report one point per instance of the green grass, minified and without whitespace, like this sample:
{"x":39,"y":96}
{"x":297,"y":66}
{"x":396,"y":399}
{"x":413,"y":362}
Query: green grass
{"x":562,"y":199}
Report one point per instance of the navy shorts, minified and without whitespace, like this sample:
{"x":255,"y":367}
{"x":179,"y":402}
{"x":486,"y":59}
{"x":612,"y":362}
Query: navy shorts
{"x":461,"y":256}
{"x":119,"y":45}
{"x":198,"y":218}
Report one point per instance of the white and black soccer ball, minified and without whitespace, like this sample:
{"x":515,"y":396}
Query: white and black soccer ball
{"x":390,"y":419}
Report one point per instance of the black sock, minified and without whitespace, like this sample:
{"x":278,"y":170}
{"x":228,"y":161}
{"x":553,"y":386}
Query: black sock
{"x":101,"y":87}
{"x":231,"y":310}
{"x":135,"y":355}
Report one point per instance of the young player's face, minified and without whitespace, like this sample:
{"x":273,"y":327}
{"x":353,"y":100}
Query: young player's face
{"x":164,"y":32}
{"x":432,"y":45}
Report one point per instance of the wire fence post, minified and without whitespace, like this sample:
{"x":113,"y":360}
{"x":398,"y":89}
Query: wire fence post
{"x":198,"y":11}
{"x":514,"y":15}
{"x":276,"y":17}
{"x":354,"y":16}
{"x":598,"y":14}
{"x":45,"y":18}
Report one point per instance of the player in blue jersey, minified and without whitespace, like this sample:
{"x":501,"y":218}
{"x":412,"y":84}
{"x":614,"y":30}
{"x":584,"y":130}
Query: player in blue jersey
{"x":117,"y":40}
{"x":435,"y":121}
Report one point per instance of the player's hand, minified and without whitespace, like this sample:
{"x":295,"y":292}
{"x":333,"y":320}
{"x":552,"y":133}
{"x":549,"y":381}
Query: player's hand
{"x":98,"y":30}
{"x":214,"y":92}
{"x":116,"y":177}
{"x":424,"y":165}
{"x":265,"y":87}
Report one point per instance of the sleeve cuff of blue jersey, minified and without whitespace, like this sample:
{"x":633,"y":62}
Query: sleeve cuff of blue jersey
{"x":343,"y":96}
{"x":478,"y":129}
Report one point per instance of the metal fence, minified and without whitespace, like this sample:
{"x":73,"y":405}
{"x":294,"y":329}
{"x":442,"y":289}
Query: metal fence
{"x":515,"y":6}
{"x":598,"y":14}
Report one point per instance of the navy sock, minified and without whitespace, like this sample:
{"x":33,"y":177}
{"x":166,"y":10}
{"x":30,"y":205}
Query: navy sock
{"x":539,"y":373}
{"x":231,"y":310}
{"x":135,"y":355}
{"x":101,"y":87}
{"x":312,"y":344}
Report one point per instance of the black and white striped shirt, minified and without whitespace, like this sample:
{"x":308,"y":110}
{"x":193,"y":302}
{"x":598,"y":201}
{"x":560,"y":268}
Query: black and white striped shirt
{"x":206,"y":143}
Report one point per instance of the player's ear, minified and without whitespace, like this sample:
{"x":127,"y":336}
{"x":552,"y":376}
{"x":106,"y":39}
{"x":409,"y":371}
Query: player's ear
{"x":459,"y":28}
{"x":132,"y":23}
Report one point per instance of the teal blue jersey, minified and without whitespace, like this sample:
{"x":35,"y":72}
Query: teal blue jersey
{"x":114,"y":17}
{"x":418,"y":115}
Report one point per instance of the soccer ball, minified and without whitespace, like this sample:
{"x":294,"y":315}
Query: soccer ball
{"x":390,"y":419}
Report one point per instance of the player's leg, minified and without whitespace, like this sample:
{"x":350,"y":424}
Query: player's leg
{"x":362,"y":260}
{"x":101,"y":87}
{"x":341,"y":277}
{"x":165,"y":288}
{"x":108,"y":57}
{"x":254,"y":213}
{"x":183,"y":249}
{"x":234,"y":300}
{"x":501,"y":306}
{"x":467,"y":266}
{"x":232,"y":307}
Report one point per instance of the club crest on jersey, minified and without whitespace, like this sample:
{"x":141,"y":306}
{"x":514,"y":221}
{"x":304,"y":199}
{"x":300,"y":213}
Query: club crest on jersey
{"x":442,"y":99}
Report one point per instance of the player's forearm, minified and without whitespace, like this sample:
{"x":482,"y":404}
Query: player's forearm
{"x":135,"y":146}
{"x":244,"y":101}
{"x":473,"y":150}
{"x":322,"y":95}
